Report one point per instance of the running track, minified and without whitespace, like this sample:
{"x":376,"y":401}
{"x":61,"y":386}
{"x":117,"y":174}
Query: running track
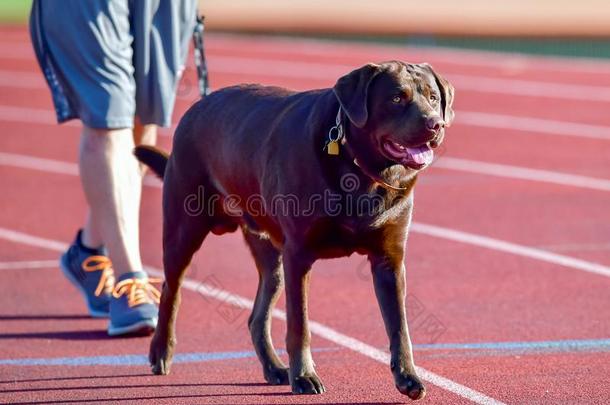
{"x":508,"y":264}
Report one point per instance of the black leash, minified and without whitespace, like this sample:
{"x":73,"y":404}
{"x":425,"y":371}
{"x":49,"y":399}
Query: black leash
{"x":200,"y":63}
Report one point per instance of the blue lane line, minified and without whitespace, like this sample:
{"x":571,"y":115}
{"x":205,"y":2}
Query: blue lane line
{"x":479,"y":349}
{"x":136,"y":359}
{"x":125,"y":360}
{"x":552,"y":345}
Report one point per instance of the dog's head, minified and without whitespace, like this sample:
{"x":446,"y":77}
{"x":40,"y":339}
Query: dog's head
{"x":401,"y":108}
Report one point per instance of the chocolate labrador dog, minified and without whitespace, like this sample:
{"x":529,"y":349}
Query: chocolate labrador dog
{"x":269,"y":161}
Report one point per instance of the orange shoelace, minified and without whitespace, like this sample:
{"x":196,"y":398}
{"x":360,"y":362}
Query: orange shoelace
{"x":103,"y":264}
{"x":138,"y":291}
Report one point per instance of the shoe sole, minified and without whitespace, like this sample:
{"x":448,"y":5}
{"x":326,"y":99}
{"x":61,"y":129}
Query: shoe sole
{"x":143,"y":327}
{"x":95,"y":313}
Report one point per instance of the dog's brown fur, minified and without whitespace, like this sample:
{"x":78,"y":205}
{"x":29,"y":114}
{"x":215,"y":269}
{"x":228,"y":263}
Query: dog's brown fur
{"x":251,"y":140}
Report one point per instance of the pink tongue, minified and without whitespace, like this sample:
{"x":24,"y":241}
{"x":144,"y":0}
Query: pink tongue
{"x":421,"y":155}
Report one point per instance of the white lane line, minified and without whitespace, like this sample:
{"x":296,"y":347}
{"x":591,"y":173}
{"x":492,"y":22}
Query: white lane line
{"x":522,"y":173}
{"x":512,"y":248}
{"x":530,"y":88}
{"x":48,"y":165}
{"x":331,"y":71}
{"x":513,"y":61}
{"x":383,"y":357}
{"x":31,"y":240}
{"x":316,"y":327}
{"x":54,"y":166}
{"x":527,"y":124}
{"x":46,"y":116}
{"x":280,"y":47}
{"x":22,"y":80}
{"x":30,"y":264}
{"x":26,"y":115}
{"x":40,"y":164}
{"x":445,"y":162}
{"x":327,"y":71}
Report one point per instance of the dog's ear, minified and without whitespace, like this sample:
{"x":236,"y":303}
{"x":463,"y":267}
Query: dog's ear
{"x":352,"y":90}
{"x":447,"y":92}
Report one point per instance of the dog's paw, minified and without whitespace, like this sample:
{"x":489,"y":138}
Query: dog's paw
{"x":160,"y":357}
{"x":411,"y":386}
{"x":308,"y":384}
{"x":160,"y":367}
{"x":277,"y":375}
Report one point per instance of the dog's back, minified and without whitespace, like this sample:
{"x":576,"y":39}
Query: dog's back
{"x":244,"y":134}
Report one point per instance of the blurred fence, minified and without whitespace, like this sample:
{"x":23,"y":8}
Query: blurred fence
{"x":528,"y":18}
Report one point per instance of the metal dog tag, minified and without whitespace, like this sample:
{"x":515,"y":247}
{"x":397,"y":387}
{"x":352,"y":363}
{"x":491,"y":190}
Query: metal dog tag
{"x":333,"y":148}
{"x":335,"y":135}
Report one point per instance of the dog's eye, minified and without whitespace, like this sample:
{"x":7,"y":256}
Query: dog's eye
{"x":434,"y":98}
{"x":396,"y":99}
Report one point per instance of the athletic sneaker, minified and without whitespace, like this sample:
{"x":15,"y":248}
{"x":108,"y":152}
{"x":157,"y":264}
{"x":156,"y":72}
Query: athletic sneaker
{"x":90,"y":271}
{"x":133,"y":306}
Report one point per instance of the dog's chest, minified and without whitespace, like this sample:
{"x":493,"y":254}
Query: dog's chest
{"x":339,"y":239}
{"x":334,"y":239}
{"x":360,"y":231}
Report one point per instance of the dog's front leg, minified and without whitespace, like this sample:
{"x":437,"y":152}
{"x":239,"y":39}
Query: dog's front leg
{"x":390,"y":286}
{"x":303,"y":378}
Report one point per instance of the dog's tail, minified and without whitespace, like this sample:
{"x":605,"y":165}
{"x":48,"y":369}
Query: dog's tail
{"x":152,"y":157}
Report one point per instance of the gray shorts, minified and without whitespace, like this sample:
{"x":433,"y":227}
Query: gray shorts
{"x":108,"y":61}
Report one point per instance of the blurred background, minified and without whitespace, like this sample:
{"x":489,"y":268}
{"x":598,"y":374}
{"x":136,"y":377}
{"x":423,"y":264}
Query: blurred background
{"x":561,"y":27}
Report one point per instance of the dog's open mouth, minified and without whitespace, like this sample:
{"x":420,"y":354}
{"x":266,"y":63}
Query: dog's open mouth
{"x":413,"y":158}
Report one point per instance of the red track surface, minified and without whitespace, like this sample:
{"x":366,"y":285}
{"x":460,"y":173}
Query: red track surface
{"x":476,"y":294}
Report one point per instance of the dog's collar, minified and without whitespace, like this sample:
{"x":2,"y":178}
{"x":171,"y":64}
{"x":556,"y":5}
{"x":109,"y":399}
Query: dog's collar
{"x":338,"y":134}
{"x":377,"y":179}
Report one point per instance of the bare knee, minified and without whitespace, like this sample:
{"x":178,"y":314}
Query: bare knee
{"x":94,"y":141}
{"x":99,"y":141}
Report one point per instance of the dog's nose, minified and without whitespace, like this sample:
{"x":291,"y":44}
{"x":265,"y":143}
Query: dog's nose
{"x":434,"y":124}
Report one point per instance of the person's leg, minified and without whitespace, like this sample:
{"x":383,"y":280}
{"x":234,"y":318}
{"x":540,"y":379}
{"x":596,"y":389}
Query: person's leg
{"x":144,"y":135}
{"x":85,"y":51}
{"x":108,"y":248}
{"x":112,"y":184}
{"x":91,"y":235}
